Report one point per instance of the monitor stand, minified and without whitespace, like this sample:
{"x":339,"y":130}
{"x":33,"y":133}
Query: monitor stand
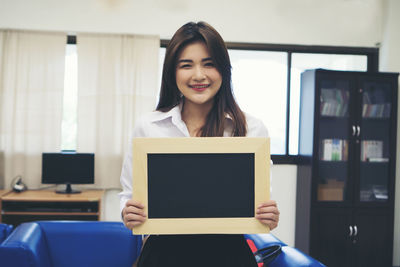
{"x":68,"y":190}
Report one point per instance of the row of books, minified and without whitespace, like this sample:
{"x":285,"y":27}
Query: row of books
{"x":372,"y":151}
{"x":376,"y":104}
{"x":334,"y":102}
{"x":337,"y":150}
{"x":334,"y":150}
{"x":376,"y":110}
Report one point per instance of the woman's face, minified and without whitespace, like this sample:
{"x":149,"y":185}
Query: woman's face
{"x":197,"y":77}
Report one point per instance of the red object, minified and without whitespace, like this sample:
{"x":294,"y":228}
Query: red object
{"x":254,"y":249}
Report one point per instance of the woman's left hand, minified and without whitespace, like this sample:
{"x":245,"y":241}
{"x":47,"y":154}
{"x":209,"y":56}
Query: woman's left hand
{"x":268,"y":213}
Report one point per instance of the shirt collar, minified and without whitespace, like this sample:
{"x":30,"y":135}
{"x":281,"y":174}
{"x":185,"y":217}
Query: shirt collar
{"x":175,"y":114}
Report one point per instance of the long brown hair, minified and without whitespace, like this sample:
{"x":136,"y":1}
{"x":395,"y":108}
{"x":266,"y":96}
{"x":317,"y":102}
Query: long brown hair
{"x":224,"y":101}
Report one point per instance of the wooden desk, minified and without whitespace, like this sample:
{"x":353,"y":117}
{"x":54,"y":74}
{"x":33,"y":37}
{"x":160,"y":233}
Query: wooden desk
{"x":31,"y":205}
{"x":3,"y":192}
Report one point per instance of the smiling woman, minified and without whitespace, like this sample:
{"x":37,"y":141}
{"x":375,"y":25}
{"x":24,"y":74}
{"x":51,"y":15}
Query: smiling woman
{"x":196,"y":100}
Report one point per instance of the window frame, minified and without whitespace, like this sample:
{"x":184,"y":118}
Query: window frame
{"x":372,"y":54}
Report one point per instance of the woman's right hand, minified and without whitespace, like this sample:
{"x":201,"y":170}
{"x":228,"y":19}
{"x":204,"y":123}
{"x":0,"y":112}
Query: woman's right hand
{"x":133,"y":214}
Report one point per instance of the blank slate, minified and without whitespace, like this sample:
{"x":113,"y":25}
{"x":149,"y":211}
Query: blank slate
{"x":201,"y":185}
{"x":227,"y":181}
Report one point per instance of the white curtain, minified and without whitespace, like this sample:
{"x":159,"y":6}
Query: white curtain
{"x":117,"y":82}
{"x":31,"y":94}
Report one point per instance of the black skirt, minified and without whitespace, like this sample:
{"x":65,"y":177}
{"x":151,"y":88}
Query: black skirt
{"x":196,"y":250}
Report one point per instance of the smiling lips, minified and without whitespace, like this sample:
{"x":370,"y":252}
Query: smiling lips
{"x":199,"y":87}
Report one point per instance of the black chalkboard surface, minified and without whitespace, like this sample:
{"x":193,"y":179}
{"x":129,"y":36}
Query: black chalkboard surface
{"x":189,"y":185}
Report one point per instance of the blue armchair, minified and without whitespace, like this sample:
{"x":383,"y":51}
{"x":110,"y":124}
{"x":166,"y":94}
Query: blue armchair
{"x":100,"y":244}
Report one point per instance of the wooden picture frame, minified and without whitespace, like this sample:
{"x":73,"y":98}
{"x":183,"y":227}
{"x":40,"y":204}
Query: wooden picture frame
{"x":191,"y":184}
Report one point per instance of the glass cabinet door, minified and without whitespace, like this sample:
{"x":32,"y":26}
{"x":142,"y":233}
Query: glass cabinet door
{"x":334,"y":129}
{"x":374,"y":139}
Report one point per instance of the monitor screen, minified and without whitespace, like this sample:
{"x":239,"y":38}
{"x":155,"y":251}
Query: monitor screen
{"x":68,"y":168}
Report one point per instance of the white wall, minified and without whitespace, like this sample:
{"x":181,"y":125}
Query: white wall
{"x":309,"y":22}
{"x":283,"y":186}
{"x":390,"y":61}
{"x":338,"y":22}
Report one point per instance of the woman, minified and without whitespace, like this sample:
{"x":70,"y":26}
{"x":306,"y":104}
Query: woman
{"x":195,"y":100}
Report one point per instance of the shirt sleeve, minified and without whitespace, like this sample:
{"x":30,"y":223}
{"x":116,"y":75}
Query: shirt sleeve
{"x":255,"y":127}
{"x":126,"y":172}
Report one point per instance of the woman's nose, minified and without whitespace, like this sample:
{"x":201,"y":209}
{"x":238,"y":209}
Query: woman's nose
{"x":199,"y":74}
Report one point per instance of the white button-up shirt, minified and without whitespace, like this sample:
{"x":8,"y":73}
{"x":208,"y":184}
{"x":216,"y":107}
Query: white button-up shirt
{"x":170,"y":124}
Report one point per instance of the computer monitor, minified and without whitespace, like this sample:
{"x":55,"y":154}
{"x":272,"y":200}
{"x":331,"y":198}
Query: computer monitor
{"x":68,"y":168}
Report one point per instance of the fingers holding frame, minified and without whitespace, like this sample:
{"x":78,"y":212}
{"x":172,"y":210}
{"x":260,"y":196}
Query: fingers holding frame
{"x":133,"y":214}
{"x":268,"y":214}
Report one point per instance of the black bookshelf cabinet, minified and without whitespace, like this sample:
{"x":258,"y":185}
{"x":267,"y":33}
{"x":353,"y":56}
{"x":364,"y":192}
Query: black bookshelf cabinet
{"x":346,"y":174}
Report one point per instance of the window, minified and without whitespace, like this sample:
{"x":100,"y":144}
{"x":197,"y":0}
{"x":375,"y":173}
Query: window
{"x":259,"y":84}
{"x":70,"y":101}
{"x":266,"y":84}
{"x":160,"y":68}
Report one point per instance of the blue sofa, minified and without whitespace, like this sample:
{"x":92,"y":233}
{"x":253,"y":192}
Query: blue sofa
{"x":70,"y":243}
{"x":5,"y":230}
{"x":100,"y":244}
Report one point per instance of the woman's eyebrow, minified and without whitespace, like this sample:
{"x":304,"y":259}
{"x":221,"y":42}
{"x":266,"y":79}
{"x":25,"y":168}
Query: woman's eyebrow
{"x":190,"y":61}
{"x":185,"y":60}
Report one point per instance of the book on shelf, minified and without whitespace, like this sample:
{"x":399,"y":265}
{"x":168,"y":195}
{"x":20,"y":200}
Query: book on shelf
{"x":334,"y":102}
{"x":365,"y":195}
{"x":334,"y":150}
{"x":380,"y":192}
{"x":378,"y":159}
{"x":374,"y":193}
{"x":372,"y":151}
{"x":375,"y":105}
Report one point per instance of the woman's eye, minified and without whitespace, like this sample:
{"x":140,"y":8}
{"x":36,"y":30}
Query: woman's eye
{"x":185,"y":66}
{"x":209,"y":64}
